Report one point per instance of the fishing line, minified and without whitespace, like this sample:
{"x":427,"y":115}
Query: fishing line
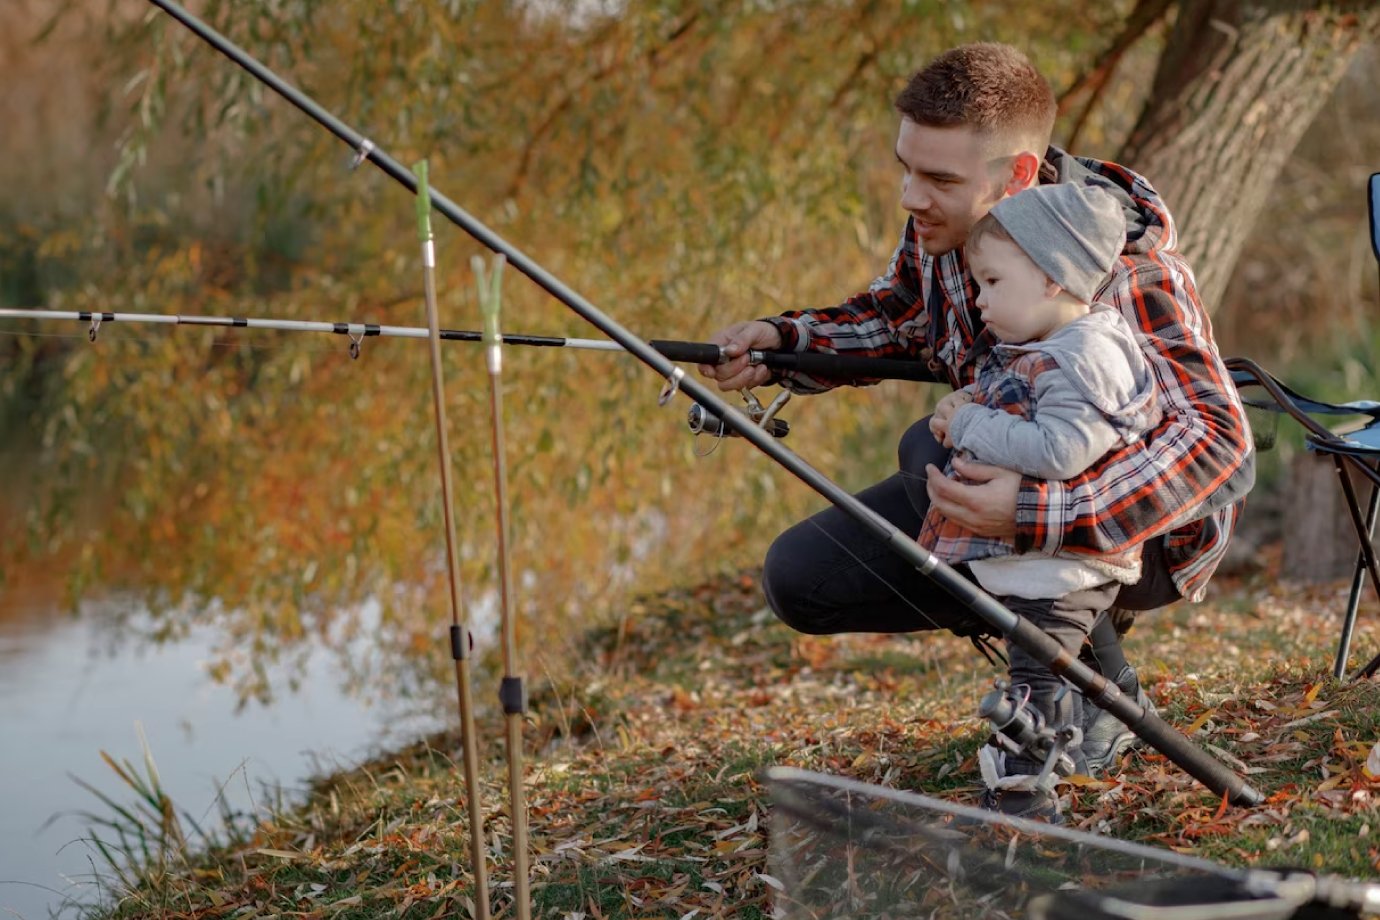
{"x":981,"y":641}
{"x":875,"y":574}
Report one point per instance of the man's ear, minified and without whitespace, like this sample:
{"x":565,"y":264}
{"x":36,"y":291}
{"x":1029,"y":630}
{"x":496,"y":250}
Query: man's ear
{"x":1025,"y":172}
{"x":1052,"y":288}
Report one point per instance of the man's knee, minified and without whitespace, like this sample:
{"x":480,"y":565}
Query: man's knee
{"x":790,"y":586}
{"x":919,"y":447}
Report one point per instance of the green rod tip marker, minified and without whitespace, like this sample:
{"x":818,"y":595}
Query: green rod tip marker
{"x":423,"y":201}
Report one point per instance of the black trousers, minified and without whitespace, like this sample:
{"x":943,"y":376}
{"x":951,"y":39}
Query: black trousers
{"x":829,"y":574}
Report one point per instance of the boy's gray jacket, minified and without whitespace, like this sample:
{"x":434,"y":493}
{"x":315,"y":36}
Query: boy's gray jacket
{"x":1092,"y":392}
{"x":1050,"y":409}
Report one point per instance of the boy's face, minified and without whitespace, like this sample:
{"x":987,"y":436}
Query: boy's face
{"x":949,"y":181}
{"x":1015,"y":297}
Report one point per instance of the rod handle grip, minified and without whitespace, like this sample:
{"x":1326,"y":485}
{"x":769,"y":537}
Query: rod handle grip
{"x":832,"y":367}
{"x":844,"y":368}
{"x":690,"y":352}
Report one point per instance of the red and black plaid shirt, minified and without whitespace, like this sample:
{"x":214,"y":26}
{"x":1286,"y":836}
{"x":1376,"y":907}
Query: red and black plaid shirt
{"x":924,"y":307}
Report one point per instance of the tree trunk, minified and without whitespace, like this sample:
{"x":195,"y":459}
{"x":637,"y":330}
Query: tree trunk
{"x":1319,"y":539}
{"x":1237,"y":85}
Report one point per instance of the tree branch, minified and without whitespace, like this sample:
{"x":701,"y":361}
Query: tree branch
{"x":682,"y":29}
{"x":1098,"y":76}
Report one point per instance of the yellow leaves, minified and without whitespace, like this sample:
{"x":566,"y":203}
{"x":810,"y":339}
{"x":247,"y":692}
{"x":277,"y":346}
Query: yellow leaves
{"x":1311,"y":694}
{"x":281,"y":854}
{"x":643,"y":191}
{"x":865,"y":762}
{"x":61,"y":244}
{"x":1199,"y":722}
{"x":1088,"y":782}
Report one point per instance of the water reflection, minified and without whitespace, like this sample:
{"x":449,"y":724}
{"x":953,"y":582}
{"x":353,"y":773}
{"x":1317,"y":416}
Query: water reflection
{"x":69,"y":692}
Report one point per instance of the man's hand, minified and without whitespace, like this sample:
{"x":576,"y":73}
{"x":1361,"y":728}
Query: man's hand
{"x":737,"y":340}
{"x":939,"y":422}
{"x":985,"y":504}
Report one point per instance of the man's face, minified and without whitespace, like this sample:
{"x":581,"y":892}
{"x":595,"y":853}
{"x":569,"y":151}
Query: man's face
{"x":949,"y":182}
{"x":1014,"y":294}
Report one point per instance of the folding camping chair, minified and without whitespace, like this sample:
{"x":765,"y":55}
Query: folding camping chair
{"x":1356,"y":450}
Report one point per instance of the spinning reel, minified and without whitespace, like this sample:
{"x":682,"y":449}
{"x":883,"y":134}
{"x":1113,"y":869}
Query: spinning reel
{"x":1020,"y":730}
{"x":703,"y":420}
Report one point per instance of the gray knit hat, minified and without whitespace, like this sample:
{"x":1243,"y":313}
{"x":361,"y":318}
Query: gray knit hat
{"x":1074,"y":233}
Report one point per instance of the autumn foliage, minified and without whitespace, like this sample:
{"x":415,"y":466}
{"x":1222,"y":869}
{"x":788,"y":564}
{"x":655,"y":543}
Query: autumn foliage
{"x":681,"y":166}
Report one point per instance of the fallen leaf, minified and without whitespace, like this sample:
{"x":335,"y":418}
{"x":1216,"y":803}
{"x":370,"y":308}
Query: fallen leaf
{"x":1372,"y":766}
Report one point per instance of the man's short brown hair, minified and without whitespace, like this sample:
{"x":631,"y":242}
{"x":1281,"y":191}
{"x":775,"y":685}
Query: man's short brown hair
{"x":987,"y":86}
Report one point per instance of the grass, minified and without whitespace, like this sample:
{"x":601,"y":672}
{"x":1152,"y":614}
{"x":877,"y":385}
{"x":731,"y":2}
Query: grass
{"x":643,"y":777}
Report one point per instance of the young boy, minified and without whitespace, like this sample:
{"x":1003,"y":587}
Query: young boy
{"x":1065,"y":385}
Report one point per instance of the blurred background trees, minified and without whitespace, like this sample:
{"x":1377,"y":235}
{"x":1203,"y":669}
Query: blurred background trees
{"x":682,"y":165}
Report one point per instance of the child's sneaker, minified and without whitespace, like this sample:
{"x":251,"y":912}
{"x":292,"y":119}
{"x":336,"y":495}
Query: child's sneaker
{"x":1014,"y":794}
{"x":1034,"y":804}
{"x":1105,"y":737}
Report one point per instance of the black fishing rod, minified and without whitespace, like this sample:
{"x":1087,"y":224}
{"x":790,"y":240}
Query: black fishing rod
{"x":833,"y":367}
{"x":1044,"y":648}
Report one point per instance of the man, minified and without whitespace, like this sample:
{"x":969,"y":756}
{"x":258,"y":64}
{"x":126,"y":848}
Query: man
{"x":975,"y":128}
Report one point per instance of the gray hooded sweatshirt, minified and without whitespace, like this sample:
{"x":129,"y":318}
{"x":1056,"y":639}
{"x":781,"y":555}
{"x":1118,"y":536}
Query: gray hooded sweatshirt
{"x":1050,"y":409}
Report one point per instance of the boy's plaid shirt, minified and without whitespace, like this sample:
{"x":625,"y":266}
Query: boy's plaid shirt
{"x":1008,"y":382}
{"x":924,"y":307}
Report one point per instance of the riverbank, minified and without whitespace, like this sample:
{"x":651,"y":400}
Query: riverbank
{"x":642,"y":776}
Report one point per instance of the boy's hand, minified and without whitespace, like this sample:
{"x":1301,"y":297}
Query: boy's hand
{"x":939,"y":422}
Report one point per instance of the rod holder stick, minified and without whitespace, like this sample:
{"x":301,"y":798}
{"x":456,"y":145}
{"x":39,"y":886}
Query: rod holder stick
{"x":511,"y":694}
{"x":462,"y":659}
{"x":1148,"y":725}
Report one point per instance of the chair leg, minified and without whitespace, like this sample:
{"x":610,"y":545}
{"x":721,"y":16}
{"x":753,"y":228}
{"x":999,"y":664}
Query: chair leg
{"x":1367,"y":557}
{"x":1357,"y":578}
{"x":1369,"y":670}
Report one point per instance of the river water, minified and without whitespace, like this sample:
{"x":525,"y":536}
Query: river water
{"x":69,"y":693}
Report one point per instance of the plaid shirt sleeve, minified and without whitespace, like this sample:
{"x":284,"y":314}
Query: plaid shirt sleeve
{"x":880,"y":322}
{"x":1165,"y":480}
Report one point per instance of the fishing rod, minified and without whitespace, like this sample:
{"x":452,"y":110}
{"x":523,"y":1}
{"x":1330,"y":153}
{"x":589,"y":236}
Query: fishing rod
{"x":1195,"y":761}
{"x":815,"y":364}
{"x":700,"y":419}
